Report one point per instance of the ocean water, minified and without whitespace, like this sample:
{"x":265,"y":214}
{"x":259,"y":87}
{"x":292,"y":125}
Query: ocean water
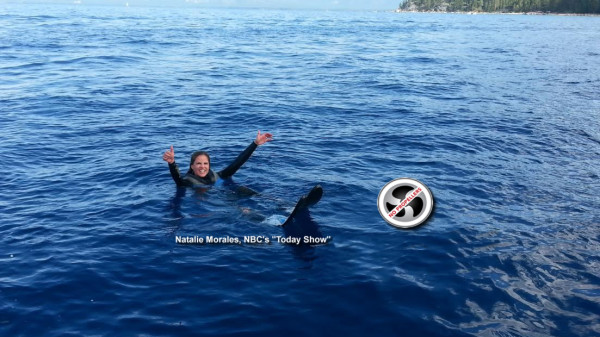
{"x":498,"y":115}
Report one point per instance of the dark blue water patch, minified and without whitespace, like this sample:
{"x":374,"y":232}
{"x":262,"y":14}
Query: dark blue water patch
{"x":504,"y":139}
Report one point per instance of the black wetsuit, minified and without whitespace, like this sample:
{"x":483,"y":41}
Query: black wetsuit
{"x":190,"y":179}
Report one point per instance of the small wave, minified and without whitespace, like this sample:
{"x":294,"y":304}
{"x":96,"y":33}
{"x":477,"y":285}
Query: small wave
{"x":79,"y":60}
{"x":588,"y":136}
{"x":102,"y":59}
{"x":422,"y":59}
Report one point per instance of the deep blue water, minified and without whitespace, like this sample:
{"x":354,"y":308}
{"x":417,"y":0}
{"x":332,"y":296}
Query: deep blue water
{"x":499,"y":115}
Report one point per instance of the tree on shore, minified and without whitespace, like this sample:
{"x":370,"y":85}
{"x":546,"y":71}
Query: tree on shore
{"x":518,"y":6}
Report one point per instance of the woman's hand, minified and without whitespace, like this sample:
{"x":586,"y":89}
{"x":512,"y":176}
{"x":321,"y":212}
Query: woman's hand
{"x":262,"y":138}
{"x":169,"y":156}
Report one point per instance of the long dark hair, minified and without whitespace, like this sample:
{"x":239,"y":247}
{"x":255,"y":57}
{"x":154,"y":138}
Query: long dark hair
{"x":196,"y":155}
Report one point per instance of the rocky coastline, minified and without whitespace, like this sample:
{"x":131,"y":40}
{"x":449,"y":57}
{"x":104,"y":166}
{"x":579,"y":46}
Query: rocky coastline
{"x":447,"y":7}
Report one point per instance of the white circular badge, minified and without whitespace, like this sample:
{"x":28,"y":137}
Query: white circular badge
{"x":405,"y":203}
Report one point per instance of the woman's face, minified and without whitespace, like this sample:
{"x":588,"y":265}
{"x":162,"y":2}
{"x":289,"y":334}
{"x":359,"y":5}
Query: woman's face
{"x":201,"y":166}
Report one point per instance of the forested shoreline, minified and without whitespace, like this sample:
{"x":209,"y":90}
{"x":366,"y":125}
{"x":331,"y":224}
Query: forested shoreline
{"x":502,"y":6}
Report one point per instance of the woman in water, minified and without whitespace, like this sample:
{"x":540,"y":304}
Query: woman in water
{"x":200,"y":173}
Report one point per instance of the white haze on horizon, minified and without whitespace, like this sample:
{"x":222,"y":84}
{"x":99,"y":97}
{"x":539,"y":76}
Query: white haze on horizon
{"x":283,"y":4}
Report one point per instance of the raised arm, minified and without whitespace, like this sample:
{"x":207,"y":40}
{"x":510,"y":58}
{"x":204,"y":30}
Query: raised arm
{"x":261,"y":138}
{"x":169,"y":157}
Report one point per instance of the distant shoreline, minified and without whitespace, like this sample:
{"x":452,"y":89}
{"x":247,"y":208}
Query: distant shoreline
{"x":499,"y":13}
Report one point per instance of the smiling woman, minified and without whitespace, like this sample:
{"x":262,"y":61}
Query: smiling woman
{"x":200,"y":173}
{"x":200,"y":163}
